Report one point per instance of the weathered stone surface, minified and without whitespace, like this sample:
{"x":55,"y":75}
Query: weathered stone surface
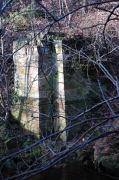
{"x":60,"y":121}
{"x":26,"y":72}
{"x":27,"y":112}
{"x":27,"y":86}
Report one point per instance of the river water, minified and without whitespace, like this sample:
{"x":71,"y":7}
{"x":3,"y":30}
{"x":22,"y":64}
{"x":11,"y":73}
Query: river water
{"x":71,"y":172}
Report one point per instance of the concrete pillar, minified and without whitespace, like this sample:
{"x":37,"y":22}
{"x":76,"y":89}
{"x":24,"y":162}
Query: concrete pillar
{"x":26,"y":85}
{"x":46,"y":64}
{"x":60,"y":121}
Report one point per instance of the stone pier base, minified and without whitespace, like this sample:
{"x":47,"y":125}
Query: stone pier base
{"x":27,"y":113}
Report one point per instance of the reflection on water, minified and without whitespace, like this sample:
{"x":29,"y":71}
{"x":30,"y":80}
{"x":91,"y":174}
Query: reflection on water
{"x":71,"y":172}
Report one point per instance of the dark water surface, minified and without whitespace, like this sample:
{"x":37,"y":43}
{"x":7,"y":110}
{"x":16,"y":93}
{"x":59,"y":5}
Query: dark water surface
{"x":71,"y":172}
